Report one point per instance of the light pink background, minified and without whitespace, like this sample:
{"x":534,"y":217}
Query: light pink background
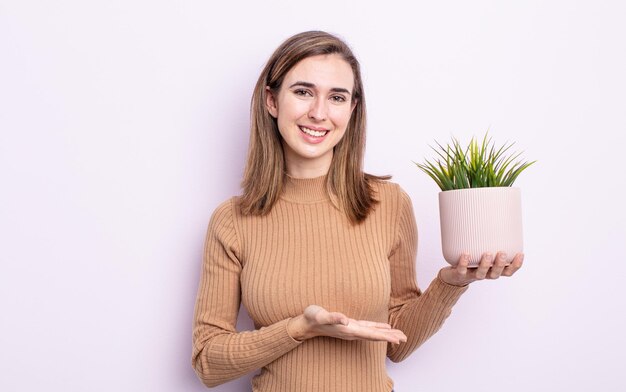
{"x":123,"y":124}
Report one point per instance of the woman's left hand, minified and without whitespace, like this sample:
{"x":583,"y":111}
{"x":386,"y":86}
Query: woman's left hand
{"x":461,"y":275}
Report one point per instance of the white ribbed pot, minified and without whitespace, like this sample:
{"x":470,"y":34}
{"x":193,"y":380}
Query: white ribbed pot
{"x":479,"y":220}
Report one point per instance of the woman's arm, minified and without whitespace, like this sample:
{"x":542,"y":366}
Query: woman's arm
{"x":220,"y":353}
{"x":419,"y":315}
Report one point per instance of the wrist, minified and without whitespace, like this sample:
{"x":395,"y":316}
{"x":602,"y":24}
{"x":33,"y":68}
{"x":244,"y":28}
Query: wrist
{"x":298,"y":329}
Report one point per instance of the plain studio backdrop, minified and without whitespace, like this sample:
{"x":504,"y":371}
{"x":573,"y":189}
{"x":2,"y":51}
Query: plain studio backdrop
{"x":123,"y":124}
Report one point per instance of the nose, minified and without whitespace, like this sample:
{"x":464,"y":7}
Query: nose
{"x":317,"y":111}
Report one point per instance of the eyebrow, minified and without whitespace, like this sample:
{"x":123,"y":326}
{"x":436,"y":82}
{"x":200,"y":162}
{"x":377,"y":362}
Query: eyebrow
{"x":311,"y":85}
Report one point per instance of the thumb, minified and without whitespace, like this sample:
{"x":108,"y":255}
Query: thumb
{"x":338,"y":318}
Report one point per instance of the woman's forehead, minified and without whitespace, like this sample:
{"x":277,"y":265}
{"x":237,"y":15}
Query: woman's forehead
{"x":329,"y":71}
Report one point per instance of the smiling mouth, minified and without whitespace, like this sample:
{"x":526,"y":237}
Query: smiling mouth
{"x":312,"y":132}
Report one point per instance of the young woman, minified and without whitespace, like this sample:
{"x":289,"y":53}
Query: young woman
{"x":321,"y":254}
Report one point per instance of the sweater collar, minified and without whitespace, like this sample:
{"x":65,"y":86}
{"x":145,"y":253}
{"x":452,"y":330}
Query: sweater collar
{"x":305,"y":189}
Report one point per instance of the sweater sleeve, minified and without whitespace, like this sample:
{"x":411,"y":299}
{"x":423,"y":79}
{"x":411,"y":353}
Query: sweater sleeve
{"x":419,"y":315}
{"x":220,"y":353}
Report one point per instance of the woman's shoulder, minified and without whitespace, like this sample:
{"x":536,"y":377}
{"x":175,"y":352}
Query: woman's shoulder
{"x":227,"y":209}
{"x":392,"y":198}
{"x":386,"y":189}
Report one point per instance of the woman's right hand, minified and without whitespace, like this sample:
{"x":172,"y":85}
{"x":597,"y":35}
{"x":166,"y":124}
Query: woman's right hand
{"x":317,"y":321}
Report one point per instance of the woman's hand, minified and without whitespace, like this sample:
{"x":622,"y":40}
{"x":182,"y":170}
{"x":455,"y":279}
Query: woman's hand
{"x":317,"y":321}
{"x":461,"y":275}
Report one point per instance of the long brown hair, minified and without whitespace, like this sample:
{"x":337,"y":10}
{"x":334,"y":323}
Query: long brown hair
{"x":349,"y":187}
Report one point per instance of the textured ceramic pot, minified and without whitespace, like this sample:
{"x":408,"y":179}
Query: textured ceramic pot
{"x":479,"y":220}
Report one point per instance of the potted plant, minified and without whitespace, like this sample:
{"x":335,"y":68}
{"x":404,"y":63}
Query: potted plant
{"x":479,"y":209}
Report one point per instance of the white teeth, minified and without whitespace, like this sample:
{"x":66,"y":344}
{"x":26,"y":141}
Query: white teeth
{"x":312,"y":132}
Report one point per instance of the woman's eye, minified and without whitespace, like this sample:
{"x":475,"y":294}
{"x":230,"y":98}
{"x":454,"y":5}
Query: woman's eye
{"x":302,"y":93}
{"x":338,"y":98}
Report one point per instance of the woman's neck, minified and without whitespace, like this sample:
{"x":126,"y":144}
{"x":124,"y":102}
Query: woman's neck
{"x":302,"y":167}
{"x":305,"y":189}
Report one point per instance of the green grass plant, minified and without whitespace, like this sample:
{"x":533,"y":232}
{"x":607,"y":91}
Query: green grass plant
{"x":479,"y":165}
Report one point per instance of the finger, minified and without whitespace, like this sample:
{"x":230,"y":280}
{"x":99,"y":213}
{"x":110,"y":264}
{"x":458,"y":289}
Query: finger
{"x":461,"y":267}
{"x":515,"y":265}
{"x":337,"y":318}
{"x":388,"y":335}
{"x":314,"y":314}
{"x":498,"y":266}
{"x":358,"y":331}
{"x":483,"y":267}
{"x":373,"y":324}
{"x":400,"y":337}
{"x":391,"y":334}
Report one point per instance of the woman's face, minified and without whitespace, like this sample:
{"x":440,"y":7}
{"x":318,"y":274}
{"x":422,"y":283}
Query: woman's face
{"x":312,"y":109}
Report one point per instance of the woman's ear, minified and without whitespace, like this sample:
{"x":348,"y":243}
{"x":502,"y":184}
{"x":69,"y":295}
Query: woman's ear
{"x":270,"y":102}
